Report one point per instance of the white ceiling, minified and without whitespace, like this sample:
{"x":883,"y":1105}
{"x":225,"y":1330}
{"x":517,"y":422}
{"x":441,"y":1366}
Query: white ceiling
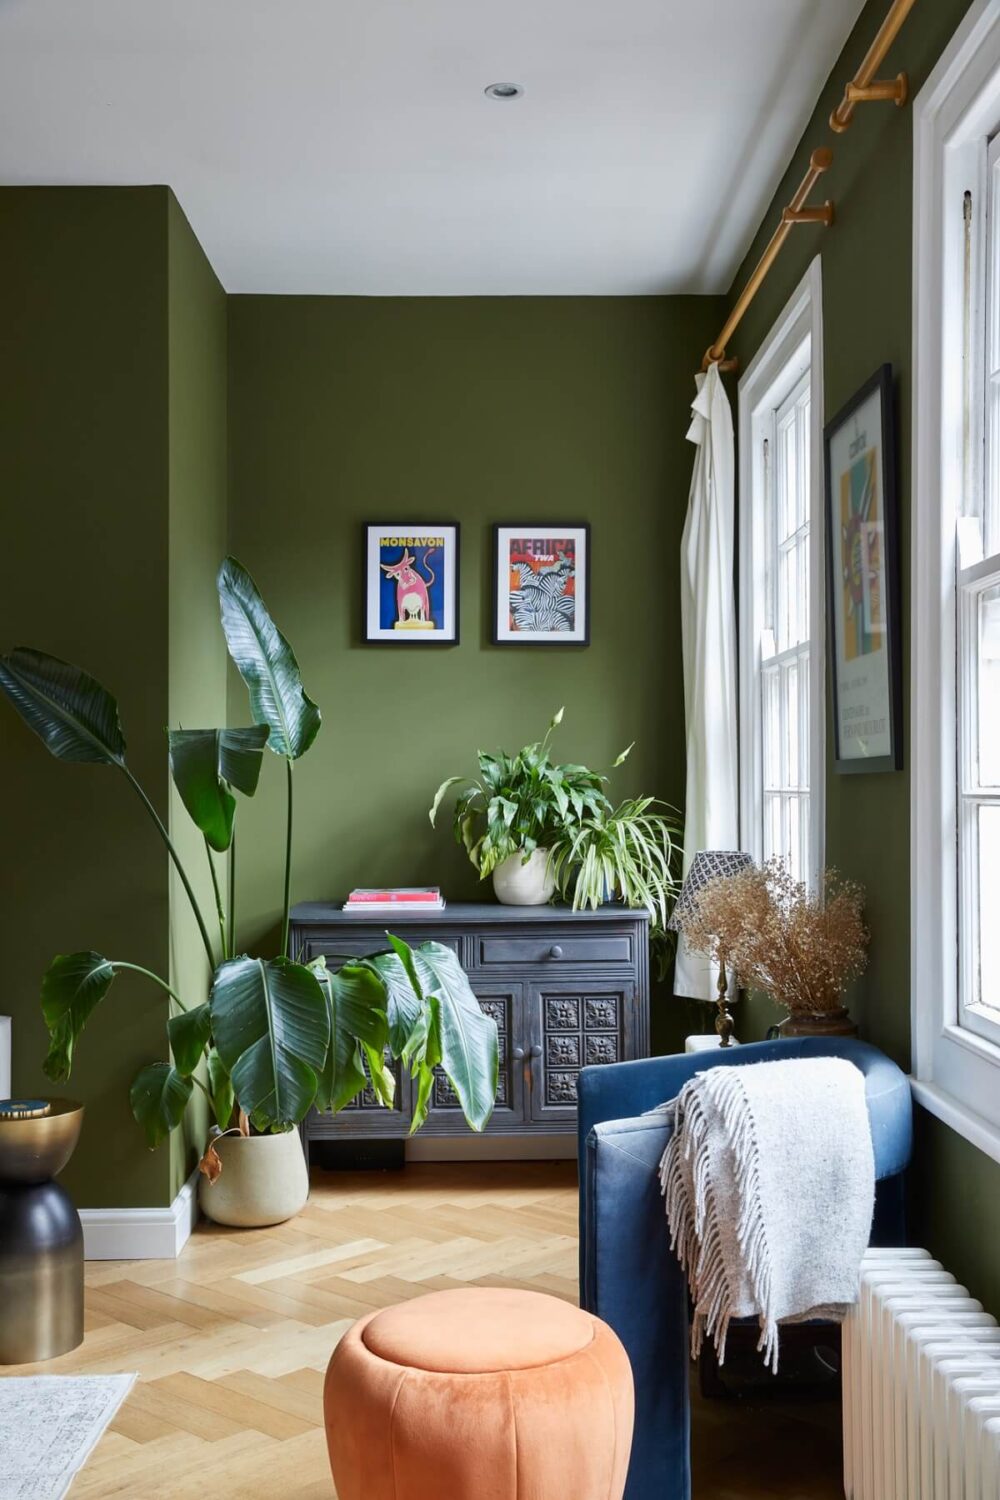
{"x":346,"y":146}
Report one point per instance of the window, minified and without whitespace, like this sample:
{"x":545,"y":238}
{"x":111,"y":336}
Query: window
{"x":977,"y":605}
{"x":955,"y":784}
{"x":781,"y":597}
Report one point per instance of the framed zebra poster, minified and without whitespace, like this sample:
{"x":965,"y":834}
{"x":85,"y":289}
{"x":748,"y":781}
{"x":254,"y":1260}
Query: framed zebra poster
{"x":411,"y":584}
{"x":541,"y":585}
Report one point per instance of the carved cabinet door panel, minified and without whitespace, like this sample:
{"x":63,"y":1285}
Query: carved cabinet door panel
{"x":575,"y":1025}
{"x":504,"y":1003}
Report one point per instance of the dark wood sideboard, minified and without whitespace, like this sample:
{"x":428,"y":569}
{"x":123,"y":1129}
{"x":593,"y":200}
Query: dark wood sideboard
{"x":566,"y":989}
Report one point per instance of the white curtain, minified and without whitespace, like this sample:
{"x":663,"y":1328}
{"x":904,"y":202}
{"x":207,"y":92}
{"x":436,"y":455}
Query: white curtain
{"x":708,"y":624}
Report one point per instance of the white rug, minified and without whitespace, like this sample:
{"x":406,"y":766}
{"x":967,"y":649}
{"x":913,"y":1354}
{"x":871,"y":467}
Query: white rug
{"x":48,"y":1426}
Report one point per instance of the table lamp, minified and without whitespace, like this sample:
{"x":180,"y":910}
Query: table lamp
{"x":709,"y":865}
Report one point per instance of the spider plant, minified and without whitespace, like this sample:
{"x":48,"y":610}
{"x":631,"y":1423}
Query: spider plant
{"x":629,"y":853}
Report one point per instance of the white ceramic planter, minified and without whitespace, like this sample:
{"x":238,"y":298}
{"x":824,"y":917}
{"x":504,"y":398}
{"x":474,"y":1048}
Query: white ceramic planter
{"x":264,"y":1180}
{"x":517,"y":883}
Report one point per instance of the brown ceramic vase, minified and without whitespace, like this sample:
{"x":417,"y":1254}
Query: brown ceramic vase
{"x":819,"y":1023}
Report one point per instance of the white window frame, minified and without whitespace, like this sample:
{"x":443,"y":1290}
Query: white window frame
{"x":793,"y":347}
{"x":956,"y":1070}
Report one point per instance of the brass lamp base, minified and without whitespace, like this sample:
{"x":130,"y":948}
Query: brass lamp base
{"x":724,"y":1024}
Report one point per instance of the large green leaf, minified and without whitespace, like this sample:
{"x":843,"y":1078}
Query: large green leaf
{"x":356,"y":1001}
{"x":423,"y":1055}
{"x":188,"y":1034}
{"x":404,"y":1005}
{"x":205,"y":763}
{"x":440,"y":795}
{"x":74,"y":984}
{"x":465,"y":1038}
{"x":73,"y":715}
{"x":158,"y":1096}
{"x":220,"y":1088}
{"x":266,"y":663}
{"x":272,"y":1028}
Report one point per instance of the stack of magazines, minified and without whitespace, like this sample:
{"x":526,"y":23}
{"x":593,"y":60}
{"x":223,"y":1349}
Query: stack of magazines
{"x":396,"y":898}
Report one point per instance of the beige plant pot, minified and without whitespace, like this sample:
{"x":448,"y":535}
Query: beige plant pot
{"x":520,"y":883}
{"x":264,"y":1180}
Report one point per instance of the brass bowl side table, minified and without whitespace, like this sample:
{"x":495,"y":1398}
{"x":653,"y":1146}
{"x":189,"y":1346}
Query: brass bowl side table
{"x":41,"y":1237}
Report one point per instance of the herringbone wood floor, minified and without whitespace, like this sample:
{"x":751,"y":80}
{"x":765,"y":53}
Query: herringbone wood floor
{"x":231,"y":1341}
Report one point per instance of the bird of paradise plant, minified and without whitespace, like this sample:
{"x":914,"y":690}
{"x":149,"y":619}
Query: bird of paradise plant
{"x":274,"y":1037}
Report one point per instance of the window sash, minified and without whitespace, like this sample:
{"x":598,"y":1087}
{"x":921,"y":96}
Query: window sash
{"x":784,"y":381}
{"x":783,"y":684}
{"x":978,"y":531}
{"x":979,"y":978}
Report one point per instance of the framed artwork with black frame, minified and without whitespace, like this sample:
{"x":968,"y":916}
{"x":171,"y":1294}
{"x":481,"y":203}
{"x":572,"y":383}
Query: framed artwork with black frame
{"x":541,"y":585}
{"x":863,"y":580}
{"x":411,"y":584}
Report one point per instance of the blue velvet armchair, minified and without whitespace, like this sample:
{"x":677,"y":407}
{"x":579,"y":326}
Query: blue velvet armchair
{"x":628,"y":1275}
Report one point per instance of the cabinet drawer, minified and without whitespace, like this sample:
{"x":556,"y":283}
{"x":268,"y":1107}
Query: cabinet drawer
{"x":338,"y":948}
{"x":557,"y":948}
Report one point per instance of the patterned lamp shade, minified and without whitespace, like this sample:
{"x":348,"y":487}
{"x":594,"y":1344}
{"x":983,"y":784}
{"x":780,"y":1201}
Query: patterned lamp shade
{"x":707,"y":865}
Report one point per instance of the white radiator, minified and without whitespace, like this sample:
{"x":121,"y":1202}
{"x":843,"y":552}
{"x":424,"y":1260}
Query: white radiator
{"x":921,"y":1369}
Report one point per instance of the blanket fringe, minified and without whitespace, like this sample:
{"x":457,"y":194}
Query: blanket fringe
{"x":695,"y":1228}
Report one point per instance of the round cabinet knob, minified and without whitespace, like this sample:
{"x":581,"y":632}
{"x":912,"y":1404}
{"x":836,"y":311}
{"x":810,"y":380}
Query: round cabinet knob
{"x":536,"y":1050}
{"x":518,"y":1053}
{"x":555,"y":951}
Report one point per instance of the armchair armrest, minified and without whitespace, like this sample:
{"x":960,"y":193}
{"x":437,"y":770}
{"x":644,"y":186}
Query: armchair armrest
{"x":632,"y":1280}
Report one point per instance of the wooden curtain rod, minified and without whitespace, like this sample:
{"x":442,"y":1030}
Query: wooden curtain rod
{"x":863,"y":88}
{"x":795,"y":213}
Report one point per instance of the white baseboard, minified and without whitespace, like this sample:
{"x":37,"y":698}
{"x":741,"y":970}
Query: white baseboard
{"x":491,"y":1148}
{"x":141,"y":1233}
{"x":5,"y":1084}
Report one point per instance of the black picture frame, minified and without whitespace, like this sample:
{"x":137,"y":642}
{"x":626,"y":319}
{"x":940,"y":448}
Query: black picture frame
{"x":867,"y":694}
{"x":503,"y":532}
{"x":409,"y":637}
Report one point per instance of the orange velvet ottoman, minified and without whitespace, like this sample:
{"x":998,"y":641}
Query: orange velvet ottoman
{"x":479,"y":1395}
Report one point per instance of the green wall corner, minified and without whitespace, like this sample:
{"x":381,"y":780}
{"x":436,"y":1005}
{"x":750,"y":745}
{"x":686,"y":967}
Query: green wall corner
{"x":196,"y":347}
{"x":84,"y":575}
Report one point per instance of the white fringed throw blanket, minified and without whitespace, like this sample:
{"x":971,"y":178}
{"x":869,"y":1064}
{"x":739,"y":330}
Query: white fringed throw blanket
{"x":769,"y":1180}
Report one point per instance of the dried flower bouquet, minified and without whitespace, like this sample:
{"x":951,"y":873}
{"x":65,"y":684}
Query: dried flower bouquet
{"x":773,"y":935}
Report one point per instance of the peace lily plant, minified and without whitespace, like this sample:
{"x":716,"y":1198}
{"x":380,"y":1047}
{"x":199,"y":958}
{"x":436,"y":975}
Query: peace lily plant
{"x":275,"y":1037}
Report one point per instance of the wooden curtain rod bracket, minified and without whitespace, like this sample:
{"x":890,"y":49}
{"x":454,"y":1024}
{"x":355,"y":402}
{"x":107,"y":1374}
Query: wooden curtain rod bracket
{"x":864,"y":87}
{"x":726,"y":366}
{"x":823,"y":214}
{"x":889,"y":90}
{"x":882,"y":90}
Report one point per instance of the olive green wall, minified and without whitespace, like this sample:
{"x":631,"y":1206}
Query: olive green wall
{"x":867,"y":284}
{"x":196,"y":333}
{"x":83,"y":574}
{"x":348,"y":410}
{"x":113,"y":479}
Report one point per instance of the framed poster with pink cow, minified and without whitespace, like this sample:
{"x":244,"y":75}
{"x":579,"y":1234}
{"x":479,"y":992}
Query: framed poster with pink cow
{"x":411,"y":584}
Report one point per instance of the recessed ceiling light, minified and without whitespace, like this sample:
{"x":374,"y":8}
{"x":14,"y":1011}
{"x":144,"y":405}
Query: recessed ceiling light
{"x":504,"y":90}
